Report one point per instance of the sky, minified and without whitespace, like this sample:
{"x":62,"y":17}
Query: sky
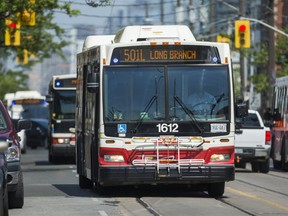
{"x":90,"y":15}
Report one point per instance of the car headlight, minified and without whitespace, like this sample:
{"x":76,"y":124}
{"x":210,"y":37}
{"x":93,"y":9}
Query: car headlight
{"x":12,"y":154}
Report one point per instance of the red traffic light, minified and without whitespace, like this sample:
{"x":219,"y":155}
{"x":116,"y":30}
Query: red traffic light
{"x":12,"y":25}
{"x":242,"y":28}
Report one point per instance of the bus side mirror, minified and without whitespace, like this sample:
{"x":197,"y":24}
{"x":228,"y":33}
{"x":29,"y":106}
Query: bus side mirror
{"x":49,"y":98}
{"x":241,"y":110}
{"x":92,"y":83}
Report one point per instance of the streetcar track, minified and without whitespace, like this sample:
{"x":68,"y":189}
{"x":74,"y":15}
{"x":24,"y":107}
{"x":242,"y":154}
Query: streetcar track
{"x":267,"y":189}
{"x":235,"y":206}
{"x":147,"y":207}
{"x":274,"y":175}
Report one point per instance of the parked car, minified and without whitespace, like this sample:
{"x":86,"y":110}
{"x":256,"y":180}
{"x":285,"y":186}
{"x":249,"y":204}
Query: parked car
{"x":3,"y":179}
{"x":13,"y":157}
{"x":253,"y":143}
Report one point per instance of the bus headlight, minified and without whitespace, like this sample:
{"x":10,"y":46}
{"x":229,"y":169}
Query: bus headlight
{"x":12,"y":154}
{"x":113,"y":158}
{"x":63,"y":140}
{"x":219,"y":157}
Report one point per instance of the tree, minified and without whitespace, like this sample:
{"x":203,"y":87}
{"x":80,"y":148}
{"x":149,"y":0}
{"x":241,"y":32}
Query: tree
{"x":45,"y":37}
{"x":282,"y":55}
{"x":41,"y":40}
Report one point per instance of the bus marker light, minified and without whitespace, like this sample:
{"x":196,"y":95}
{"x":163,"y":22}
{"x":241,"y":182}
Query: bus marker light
{"x":153,"y":43}
{"x":224,"y":140}
{"x":104,"y":61}
{"x":226,"y":60}
{"x":177,"y":43}
{"x":110,"y":141}
{"x":165,"y":43}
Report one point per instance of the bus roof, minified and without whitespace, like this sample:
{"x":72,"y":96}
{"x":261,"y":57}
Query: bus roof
{"x":27,"y":94}
{"x":95,"y":40}
{"x":154,"y":33}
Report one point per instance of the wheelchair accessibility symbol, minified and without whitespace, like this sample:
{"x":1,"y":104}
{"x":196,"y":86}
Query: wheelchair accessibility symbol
{"x":122,"y":128}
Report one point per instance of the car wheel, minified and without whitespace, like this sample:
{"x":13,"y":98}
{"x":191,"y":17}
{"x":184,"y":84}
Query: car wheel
{"x":264,"y":167}
{"x":255,"y":166}
{"x":16,"y":198}
{"x":4,"y":201}
{"x":216,"y":189}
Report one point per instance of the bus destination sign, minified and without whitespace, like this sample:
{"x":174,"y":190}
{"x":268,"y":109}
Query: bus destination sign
{"x":65,"y":83}
{"x":165,"y":54}
{"x":28,"y":101}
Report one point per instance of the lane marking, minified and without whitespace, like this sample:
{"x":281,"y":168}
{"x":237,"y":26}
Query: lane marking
{"x":259,"y":199}
{"x":103,"y":213}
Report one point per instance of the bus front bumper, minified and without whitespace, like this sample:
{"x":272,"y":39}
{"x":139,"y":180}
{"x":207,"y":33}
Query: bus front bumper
{"x":66,"y":150}
{"x":135,"y":175}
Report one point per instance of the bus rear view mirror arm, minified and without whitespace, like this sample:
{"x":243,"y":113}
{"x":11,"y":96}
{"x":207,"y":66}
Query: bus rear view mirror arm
{"x":92,"y":84}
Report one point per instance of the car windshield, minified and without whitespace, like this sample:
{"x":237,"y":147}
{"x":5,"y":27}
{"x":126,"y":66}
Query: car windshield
{"x":166,"y":93}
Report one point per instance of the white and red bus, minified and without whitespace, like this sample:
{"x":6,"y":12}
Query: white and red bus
{"x":279,"y":148}
{"x":61,"y":98}
{"x":142,"y":116}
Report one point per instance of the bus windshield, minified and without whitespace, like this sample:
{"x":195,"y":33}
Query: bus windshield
{"x":166,"y":93}
{"x":64,"y":104}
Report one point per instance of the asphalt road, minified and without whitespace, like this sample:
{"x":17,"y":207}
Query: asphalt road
{"x":52,"y":190}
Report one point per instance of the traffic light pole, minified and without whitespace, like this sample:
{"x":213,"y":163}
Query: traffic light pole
{"x":242,"y":58}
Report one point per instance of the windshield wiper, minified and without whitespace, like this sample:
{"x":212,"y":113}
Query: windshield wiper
{"x":189,"y":113}
{"x":217,"y":102}
{"x":146,"y":109}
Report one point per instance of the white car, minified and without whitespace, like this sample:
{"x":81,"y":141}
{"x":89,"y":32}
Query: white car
{"x":253,"y":143}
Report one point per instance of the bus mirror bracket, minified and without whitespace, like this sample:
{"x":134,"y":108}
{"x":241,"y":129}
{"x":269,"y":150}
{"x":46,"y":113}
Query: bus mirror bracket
{"x":92,"y":83}
{"x":49,"y":98}
{"x":241,"y":110}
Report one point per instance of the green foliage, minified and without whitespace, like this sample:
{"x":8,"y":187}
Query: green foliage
{"x":45,"y":37}
{"x":259,"y":57}
{"x":12,"y":81}
{"x":282,"y":55}
{"x":260,"y":81}
{"x":98,"y":3}
{"x":41,"y":40}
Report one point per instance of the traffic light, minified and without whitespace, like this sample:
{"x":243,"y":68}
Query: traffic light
{"x":222,"y":39}
{"x":28,"y":16}
{"x":12,"y":32}
{"x":242,"y":34}
{"x":22,"y":58}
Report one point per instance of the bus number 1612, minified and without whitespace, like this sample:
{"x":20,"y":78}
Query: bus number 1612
{"x":167,"y":128}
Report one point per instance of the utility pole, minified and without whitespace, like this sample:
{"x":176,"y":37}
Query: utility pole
{"x":242,"y":58}
{"x":271,"y":62}
{"x":162,"y":11}
{"x":212,"y":19}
